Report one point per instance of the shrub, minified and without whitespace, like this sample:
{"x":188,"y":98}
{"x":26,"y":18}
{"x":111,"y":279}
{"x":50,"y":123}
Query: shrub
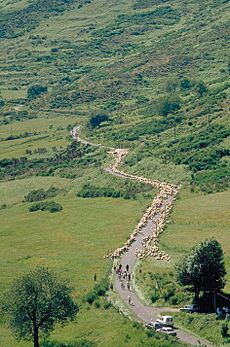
{"x":41,"y":194}
{"x":107,"y":305}
{"x":34,"y":91}
{"x":154,"y":297}
{"x":224,"y":330}
{"x":96,"y":120}
{"x":49,"y":206}
{"x":90,"y":297}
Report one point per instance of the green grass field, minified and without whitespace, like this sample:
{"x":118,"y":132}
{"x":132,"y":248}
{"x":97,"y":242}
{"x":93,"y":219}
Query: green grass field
{"x":59,"y":242}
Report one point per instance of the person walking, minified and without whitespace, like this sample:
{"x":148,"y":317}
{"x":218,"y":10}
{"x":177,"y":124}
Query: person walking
{"x":129,"y":299}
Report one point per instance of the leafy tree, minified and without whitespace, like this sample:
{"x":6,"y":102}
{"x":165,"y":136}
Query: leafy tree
{"x":186,"y":84}
{"x":2,"y":103}
{"x":96,"y":120}
{"x":34,"y":91}
{"x":36,"y":302}
{"x":201,"y":89}
{"x":167,"y":106}
{"x":203,"y":268}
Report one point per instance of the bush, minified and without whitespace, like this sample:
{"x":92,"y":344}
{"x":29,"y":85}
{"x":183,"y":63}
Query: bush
{"x":90,"y":297}
{"x":96,"y":120}
{"x":41,"y":194}
{"x":224,"y":330}
{"x":154,"y":297}
{"x":90,"y":191}
{"x":49,"y":206}
{"x":34,"y":91}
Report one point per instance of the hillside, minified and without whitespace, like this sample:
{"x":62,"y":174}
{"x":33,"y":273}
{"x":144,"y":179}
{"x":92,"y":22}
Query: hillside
{"x":151,"y":76}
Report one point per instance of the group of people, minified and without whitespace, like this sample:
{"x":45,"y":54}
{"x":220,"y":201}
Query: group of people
{"x":159,"y":210}
{"x":124,"y":276}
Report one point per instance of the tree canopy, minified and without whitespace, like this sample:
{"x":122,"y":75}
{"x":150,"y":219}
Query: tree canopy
{"x":203,"y":268}
{"x":36,"y":302}
{"x":34,"y":91}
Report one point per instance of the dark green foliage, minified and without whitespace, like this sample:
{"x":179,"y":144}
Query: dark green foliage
{"x":41,"y":194}
{"x":90,"y":191}
{"x":99,"y":290}
{"x":202,"y":153}
{"x":152,"y":127}
{"x":34,"y":91}
{"x":50,"y":206}
{"x":186,"y":84}
{"x":2,"y":103}
{"x":168,"y":106}
{"x":203,"y":268}
{"x":96,"y":120}
{"x":36,"y":302}
{"x":224,"y":330}
{"x":70,"y":157}
{"x":201,"y":89}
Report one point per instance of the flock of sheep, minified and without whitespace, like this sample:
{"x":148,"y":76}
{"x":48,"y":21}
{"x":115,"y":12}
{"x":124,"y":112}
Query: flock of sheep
{"x":159,"y":210}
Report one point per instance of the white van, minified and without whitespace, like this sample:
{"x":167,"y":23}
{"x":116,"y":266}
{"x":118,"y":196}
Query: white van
{"x":166,"y":321}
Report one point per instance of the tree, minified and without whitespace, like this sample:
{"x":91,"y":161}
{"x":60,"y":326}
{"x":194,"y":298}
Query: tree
{"x":167,"y":106}
{"x":201,"y":88}
{"x":97,"y":119}
{"x":34,"y":91}
{"x":36,"y":302}
{"x":185,"y":84}
{"x":203,"y":268}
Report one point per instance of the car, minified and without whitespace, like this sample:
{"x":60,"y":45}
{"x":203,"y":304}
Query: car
{"x":190,"y":308}
{"x":153,"y":325}
{"x":167,"y":330}
{"x":165,"y":321}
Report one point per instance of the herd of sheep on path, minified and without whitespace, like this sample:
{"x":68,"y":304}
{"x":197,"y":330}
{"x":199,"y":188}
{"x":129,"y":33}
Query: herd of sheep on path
{"x":159,"y":210}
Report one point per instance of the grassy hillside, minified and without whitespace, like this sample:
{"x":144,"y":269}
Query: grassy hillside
{"x":158,"y":72}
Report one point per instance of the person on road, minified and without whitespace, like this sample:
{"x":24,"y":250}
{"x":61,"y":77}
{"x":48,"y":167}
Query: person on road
{"x":129,"y":299}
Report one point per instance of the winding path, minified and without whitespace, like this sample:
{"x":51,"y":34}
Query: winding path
{"x":149,"y":227}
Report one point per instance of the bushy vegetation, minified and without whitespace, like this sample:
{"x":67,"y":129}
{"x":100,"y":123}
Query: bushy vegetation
{"x":41,"y":194}
{"x":162,"y":289}
{"x":74,"y":154}
{"x":17,"y":22}
{"x":34,"y":91}
{"x":50,"y":206}
{"x":99,"y":290}
{"x":90,"y":191}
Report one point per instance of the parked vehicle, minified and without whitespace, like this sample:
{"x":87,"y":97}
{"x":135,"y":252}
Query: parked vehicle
{"x":153,"y":325}
{"x":167,"y":330}
{"x":166,"y":321}
{"x":190,"y":308}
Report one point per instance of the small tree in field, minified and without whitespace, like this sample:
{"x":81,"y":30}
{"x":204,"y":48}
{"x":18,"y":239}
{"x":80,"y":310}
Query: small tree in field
{"x":203,"y":268}
{"x":36,"y":302}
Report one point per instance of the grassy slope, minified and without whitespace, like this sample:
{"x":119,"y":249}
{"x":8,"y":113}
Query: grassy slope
{"x":194,"y":217}
{"x":102,"y":58}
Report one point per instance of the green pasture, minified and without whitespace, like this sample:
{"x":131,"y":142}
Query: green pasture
{"x":13,"y":192}
{"x":194,"y":218}
{"x":45,"y":136}
{"x":40,"y":125}
{"x":72,"y":242}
